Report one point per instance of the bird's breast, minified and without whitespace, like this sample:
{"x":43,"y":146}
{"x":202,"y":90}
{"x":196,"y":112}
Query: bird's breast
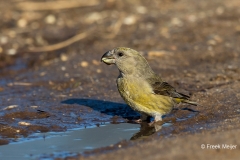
{"x":133,"y":88}
{"x":138,"y":94}
{"x":134,"y":91}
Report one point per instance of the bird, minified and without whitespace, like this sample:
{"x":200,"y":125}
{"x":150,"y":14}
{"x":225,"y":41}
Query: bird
{"x":140,"y":87}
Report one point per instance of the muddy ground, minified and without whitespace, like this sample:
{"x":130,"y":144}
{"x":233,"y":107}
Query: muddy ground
{"x":52,"y":78}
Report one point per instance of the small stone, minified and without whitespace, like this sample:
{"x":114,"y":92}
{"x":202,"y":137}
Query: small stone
{"x":66,"y":75}
{"x":237,"y":28}
{"x":63,"y":68}
{"x":42,"y":74}
{"x":218,"y":39}
{"x":11,"y":52}
{"x":93,"y":17}
{"x":141,"y":9}
{"x":24,"y":123}
{"x":130,"y":20}
{"x":29,"y":41}
{"x":84,"y":63}
{"x":10,"y":107}
{"x":63,"y":57}
{"x":210,"y":48}
{"x":212,"y":42}
{"x":95,"y":62}
{"x":12,"y":34}
{"x":3,"y":39}
{"x":34,"y":107}
{"x":99,"y":70}
{"x":50,"y":19}
{"x":22,"y":23}
{"x":192,"y":18}
{"x":220,"y":10}
{"x":165,"y":32}
{"x":176,"y":22}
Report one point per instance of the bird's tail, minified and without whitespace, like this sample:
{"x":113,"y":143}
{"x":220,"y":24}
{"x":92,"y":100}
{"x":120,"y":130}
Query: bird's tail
{"x":191,"y":102}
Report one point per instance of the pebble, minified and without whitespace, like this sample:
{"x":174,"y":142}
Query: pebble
{"x":63,"y":68}
{"x":10,"y":107}
{"x":95,"y":62}
{"x":22,"y":23}
{"x":176,"y":22}
{"x":212,"y":42}
{"x":84,"y":63}
{"x":130,"y":20}
{"x":218,"y":39}
{"x":12,"y":34}
{"x":3,"y":40}
{"x":50,"y":19}
{"x":192,"y":18}
{"x":11,"y":52}
{"x":24,"y":123}
{"x":29,"y":41}
{"x":220,"y":10}
{"x":42,"y":74}
{"x":141,"y":9}
{"x":237,"y":28}
{"x":63,"y":57}
{"x":99,"y":70}
{"x":33,"y":106}
{"x":93,"y":17}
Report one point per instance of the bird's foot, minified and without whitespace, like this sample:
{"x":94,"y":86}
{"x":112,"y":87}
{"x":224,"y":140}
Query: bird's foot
{"x":138,"y":121}
{"x":155,"y":123}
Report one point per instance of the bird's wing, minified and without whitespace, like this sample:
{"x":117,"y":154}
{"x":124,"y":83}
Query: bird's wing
{"x":163,"y":88}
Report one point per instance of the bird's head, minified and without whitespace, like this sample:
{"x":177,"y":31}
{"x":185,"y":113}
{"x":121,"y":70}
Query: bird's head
{"x":127,"y":60}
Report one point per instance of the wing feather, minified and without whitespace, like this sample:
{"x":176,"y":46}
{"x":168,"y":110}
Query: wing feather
{"x":163,"y":88}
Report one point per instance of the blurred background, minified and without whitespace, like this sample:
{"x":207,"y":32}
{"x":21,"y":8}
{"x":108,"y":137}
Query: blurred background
{"x":40,"y":30}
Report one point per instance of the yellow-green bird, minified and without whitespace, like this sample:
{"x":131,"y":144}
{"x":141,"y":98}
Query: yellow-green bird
{"x":141,"y":88}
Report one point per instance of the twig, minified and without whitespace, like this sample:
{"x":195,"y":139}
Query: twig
{"x":19,"y":84}
{"x":115,"y":28}
{"x":54,"y":5}
{"x":59,"y":45}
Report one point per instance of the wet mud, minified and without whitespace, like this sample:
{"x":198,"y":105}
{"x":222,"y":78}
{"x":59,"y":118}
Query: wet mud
{"x":194,"y":46}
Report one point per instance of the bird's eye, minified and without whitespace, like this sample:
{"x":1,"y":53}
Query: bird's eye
{"x":120,"y":54}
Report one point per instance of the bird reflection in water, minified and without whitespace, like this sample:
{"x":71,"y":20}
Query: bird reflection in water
{"x":146,"y":130}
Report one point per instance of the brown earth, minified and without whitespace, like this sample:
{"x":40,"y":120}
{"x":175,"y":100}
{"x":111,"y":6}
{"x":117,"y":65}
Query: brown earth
{"x":194,"y":45}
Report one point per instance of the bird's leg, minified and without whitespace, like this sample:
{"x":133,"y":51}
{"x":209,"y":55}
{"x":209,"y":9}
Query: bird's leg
{"x":138,"y":120}
{"x":157,"y":119}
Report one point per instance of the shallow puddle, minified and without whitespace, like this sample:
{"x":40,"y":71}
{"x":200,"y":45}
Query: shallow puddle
{"x":72,"y":142}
